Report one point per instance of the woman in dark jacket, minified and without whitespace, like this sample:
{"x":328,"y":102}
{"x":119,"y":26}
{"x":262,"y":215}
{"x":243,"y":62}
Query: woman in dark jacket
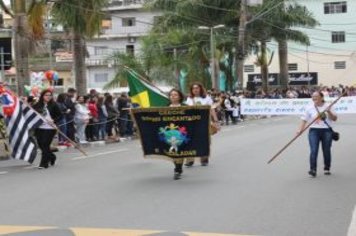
{"x":49,"y":109}
{"x":63,"y":122}
{"x":112,"y":115}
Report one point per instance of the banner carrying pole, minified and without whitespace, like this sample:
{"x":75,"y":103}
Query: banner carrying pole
{"x":301,"y":132}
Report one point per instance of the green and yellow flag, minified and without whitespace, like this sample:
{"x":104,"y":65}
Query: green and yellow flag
{"x":144,"y":93}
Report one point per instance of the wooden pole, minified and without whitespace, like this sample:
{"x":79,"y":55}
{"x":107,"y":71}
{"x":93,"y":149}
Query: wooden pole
{"x":300,"y":133}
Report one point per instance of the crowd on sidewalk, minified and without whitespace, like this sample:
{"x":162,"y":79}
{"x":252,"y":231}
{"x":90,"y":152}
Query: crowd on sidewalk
{"x":105,"y":117}
{"x":92,"y":117}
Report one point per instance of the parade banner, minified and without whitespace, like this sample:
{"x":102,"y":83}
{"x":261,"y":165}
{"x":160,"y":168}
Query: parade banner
{"x":297,"y":78}
{"x":346,"y":105}
{"x":174,"y":132}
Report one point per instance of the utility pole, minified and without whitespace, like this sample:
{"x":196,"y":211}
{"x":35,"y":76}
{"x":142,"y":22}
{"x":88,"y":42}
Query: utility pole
{"x":2,"y":61}
{"x":176,"y":72}
{"x":21,"y":43}
{"x":214,"y":84}
{"x":49,"y":40}
{"x":214,"y":78}
{"x":240,"y":53}
{"x":307,"y":51}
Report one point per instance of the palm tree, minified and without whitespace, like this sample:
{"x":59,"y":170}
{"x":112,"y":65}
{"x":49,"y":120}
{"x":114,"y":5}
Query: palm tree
{"x":159,"y":59}
{"x":282,"y":23}
{"x":84,"y":19}
{"x":279,"y":25}
{"x":28,"y":27}
{"x":187,"y":16}
{"x":264,"y":62}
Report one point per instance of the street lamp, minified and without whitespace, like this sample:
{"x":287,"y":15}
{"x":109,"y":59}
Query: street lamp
{"x":212,"y":52}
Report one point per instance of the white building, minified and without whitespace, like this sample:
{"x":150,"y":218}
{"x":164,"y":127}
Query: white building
{"x":332,"y":53}
{"x":125,"y":23}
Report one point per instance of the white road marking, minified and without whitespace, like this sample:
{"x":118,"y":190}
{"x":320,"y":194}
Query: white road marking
{"x":98,"y":154}
{"x":352,"y":227}
{"x":3,"y":172}
{"x":30,"y":167}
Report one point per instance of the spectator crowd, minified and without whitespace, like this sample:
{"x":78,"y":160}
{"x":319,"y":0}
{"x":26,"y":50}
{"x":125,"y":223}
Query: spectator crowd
{"x":105,"y":117}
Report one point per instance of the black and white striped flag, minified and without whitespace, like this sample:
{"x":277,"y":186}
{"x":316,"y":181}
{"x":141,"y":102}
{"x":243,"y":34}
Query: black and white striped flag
{"x":20,"y":119}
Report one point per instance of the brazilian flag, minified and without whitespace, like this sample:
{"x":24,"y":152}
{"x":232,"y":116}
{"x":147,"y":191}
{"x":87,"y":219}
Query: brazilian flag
{"x":144,"y":93}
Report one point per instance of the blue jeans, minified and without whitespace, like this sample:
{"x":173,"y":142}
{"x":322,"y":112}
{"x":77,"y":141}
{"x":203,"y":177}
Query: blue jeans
{"x":315,"y":137}
{"x":102,"y":128}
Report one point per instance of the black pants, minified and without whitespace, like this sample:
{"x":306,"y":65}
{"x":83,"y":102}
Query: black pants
{"x":178,"y":165}
{"x":227,"y":115}
{"x":70,"y":128}
{"x":91,"y":131}
{"x":123,"y":125}
{"x":44,"y":139}
{"x":109,"y":126}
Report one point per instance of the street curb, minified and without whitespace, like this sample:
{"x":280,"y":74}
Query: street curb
{"x":95,"y":144}
{"x":4,"y":158}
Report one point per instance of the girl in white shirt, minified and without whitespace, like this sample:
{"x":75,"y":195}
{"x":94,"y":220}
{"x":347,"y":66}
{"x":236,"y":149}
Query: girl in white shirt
{"x":198,"y":97}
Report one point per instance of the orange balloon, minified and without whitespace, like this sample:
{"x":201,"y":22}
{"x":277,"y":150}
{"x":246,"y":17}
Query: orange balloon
{"x":49,"y":75}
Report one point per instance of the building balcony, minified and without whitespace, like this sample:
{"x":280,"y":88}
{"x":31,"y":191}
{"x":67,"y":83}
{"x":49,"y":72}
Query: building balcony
{"x":124,"y":5}
{"x":99,"y":62}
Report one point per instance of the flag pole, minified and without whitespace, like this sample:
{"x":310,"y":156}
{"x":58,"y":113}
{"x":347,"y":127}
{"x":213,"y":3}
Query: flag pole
{"x":58,"y":130}
{"x":302,"y":131}
{"x":142,"y":78}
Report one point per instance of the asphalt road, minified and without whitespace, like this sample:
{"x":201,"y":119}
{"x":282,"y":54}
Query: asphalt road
{"x":238,"y":193}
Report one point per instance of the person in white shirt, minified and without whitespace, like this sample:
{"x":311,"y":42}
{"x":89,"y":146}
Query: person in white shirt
{"x":81,"y":118}
{"x":228,"y":106}
{"x":199,"y":97}
{"x":319,"y":132}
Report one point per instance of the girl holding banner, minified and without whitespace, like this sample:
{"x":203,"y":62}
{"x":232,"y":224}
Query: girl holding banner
{"x":198,"y":96}
{"x":176,"y":99}
{"x":320,"y":131}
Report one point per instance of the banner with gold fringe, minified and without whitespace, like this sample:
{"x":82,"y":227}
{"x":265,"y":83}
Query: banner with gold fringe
{"x":174,"y":132}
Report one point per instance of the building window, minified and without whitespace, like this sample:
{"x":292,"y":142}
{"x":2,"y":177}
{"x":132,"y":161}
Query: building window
{"x":130,"y":49}
{"x":101,"y":78}
{"x":249,"y":68}
{"x":100,"y":50}
{"x":335,"y":7}
{"x":128,"y":22}
{"x":340,"y":65}
{"x":59,"y":82}
{"x":292,"y":66}
{"x":338,"y":37}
